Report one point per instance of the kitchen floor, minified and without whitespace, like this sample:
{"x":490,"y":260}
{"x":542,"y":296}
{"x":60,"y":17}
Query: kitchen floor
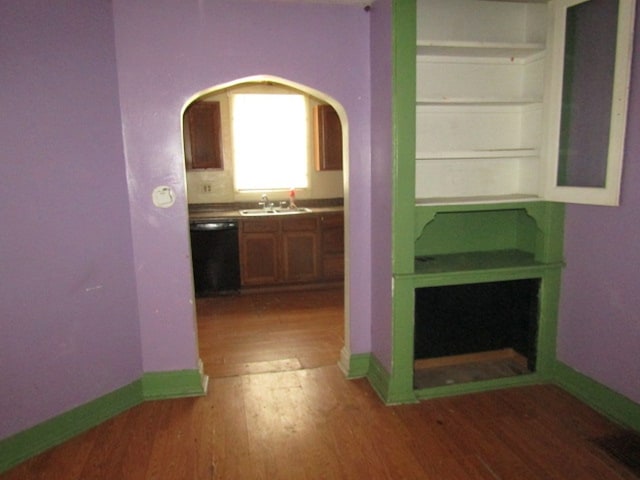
{"x":270,"y":332}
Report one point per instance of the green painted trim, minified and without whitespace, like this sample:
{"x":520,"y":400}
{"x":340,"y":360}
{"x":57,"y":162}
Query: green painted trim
{"x":545,"y":264}
{"x":378,"y":378}
{"x":384,"y":386}
{"x":479,"y":386}
{"x":19,"y":447}
{"x":548,"y":306}
{"x":354,"y":366}
{"x":400,"y":382}
{"x":174,"y":384}
{"x":52,"y":432}
{"x":404,"y":133}
{"x":601,"y":398}
{"x":482,"y":276}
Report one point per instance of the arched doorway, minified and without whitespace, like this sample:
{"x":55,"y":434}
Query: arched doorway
{"x":217,"y":185}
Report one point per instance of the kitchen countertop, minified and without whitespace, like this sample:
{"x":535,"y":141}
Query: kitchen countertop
{"x":204,"y":212}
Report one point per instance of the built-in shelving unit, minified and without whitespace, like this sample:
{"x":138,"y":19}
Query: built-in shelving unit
{"x":485,"y":157}
{"x":479,"y":98}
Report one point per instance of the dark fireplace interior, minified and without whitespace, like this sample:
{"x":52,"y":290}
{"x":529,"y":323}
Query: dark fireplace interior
{"x":474,"y":332}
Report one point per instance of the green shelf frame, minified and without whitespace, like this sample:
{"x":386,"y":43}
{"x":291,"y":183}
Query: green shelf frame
{"x":473,"y":260}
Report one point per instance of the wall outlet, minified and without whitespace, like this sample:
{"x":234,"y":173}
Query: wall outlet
{"x":206,"y":188}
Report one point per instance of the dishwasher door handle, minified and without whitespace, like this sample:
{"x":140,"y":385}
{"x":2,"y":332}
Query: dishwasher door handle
{"x":213,"y":226}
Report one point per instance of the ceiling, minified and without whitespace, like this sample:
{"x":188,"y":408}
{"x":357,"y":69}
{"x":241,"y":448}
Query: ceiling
{"x":362,"y":3}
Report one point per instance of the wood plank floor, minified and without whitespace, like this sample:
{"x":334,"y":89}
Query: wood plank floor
{"x":279,"y":408}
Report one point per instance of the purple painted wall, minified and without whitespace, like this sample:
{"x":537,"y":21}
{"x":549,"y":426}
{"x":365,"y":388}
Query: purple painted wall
{"x":69,"y":327}
{"x":382,"y":166}
{"x":168,"y":51}
{"x":599,"y":329}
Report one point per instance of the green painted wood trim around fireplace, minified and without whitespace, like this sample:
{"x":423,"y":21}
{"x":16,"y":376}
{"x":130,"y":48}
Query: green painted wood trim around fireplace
{"x":52,"y":432}
{"x":404,"y":133}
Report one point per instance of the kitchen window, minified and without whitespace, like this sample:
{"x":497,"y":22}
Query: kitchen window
{"x":270,"y":141}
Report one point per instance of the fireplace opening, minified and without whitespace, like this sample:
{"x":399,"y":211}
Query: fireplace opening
{"x":472,"y":332}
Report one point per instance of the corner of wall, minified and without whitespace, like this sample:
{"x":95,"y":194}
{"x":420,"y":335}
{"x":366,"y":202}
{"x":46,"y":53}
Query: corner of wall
{"x":354,"y":366}
{"x":174,"y":384}
{"x":391,"y":391}
{"x":25,"y":444}
{"x":48,"y":434}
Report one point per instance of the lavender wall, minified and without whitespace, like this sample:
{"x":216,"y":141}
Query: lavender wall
{"x":599,"y":329}
{"x":382,"y":166}
{"x":69,"y":328}
{"x":169,"y":50}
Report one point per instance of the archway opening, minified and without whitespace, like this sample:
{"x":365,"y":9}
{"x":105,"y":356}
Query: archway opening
{"x":214,"y":188}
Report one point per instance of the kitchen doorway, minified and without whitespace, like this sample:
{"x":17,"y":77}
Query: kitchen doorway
{"x":275,"y":328}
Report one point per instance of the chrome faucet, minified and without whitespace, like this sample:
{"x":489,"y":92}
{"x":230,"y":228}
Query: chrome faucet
{"x":264,"y":203}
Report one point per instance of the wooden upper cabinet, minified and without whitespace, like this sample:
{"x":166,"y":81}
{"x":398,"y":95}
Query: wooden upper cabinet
{"x":328,"y":138}
{"x":203,"y":140}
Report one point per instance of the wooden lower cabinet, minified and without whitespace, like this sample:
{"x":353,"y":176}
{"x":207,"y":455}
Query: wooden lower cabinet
{"x":260,"y":259}
{"x":291,"y":250}
{"x":300,"y":249}
{"x":332,"y":245}
{"x":276,"y":251}
{"x":259,"y":262}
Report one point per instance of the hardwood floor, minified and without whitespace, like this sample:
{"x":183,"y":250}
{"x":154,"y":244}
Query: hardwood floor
{"x":266,"y":332}
{"x":278,"y":407}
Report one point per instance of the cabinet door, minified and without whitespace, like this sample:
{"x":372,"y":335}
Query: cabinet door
{"x":259,"y":252}
{"x":332,"y":245}
{"x":203,"y":147}
{"x":328,"y":138}
{"x":300,"y":251}
{"x":593,"y":41}
{"x":300,"y":256}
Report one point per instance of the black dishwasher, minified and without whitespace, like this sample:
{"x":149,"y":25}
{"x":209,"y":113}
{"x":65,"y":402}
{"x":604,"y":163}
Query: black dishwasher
{"x":214,"y":253}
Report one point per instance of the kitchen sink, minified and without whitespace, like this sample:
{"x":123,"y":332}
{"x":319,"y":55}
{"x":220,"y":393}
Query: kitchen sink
{"x":257,"y":212}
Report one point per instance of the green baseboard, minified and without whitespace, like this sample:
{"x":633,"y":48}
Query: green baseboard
{"x":174,"y":384}
{"x":391,"y":392}
{"x":354,"y":366}
{"x":23,"y":445}
{"x":480,"y":386}
{"x":378,"y":378}
{"x":617,"y":407}
{"x":59,"y":429}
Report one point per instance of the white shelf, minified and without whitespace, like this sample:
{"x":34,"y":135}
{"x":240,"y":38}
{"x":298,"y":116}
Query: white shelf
{"x":480,"y":71}
{"x":512,"y":51}
{"x":517,"y":1}
{"x":479,"y":154}
{"x":477,"y":101}
{"x":476,"y":200}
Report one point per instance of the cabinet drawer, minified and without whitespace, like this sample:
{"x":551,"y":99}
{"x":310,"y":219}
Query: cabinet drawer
{"x":258,"y":226}
{"x":307,"y":223}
